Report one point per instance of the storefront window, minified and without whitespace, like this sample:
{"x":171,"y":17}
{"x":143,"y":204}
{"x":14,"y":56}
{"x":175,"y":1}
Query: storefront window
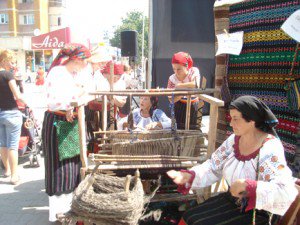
{"x":29,"y":60}
{"x":48,"y":59}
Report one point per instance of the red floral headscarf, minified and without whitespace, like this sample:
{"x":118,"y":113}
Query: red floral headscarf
{"x":70,"y":52}
{"x":182,"y":58}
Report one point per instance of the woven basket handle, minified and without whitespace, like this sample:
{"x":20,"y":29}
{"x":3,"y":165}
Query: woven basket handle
{"x":91,"y":178}
{"x":127,"y":183}
{"x":90,"y":182}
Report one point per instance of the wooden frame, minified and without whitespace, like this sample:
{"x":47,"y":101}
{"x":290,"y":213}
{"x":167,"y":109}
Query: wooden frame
{"x":202,"y":94}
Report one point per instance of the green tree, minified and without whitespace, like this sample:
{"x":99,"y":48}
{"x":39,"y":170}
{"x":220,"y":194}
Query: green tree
{"x":133,"y":21}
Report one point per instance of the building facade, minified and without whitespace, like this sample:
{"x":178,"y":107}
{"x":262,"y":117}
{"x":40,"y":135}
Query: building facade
{"x":22,"y":19}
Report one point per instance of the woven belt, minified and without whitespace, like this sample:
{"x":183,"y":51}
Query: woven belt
{"x":192,"y":100}
{"x":62,"y":113}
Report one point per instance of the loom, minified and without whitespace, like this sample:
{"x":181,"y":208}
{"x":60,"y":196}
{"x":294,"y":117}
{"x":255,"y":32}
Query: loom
{"x":153,"y":153}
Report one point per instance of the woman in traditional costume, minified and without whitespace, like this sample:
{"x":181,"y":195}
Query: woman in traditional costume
{"x":62,"y":176}
{"x":147,"y":116}
{"x":253,"y":164}
{"x":185,"y":76}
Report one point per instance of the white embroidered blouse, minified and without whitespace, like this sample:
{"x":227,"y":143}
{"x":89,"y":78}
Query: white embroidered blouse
{"x":61,"y":89}
{"x":193,"y":75}
{"x":275,"y":186}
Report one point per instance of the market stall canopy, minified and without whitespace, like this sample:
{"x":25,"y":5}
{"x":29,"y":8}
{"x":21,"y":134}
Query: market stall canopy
{"x":52,"y":40}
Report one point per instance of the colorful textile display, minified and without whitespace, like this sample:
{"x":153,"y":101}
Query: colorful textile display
{"x":265,"y":61}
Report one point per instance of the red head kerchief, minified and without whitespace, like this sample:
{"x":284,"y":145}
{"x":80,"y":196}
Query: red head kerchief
{"x":183,"y":58}
{"x":69,"y":52}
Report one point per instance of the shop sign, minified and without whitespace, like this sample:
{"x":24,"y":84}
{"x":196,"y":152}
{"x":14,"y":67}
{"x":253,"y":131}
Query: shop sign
{"x":52,"y":40}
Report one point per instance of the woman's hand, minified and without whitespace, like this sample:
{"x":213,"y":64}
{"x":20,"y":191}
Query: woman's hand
{"x":154,"y":126}
{"x":69,"y":115}
{"x":238,"y":188}
{"x":179,"y":177}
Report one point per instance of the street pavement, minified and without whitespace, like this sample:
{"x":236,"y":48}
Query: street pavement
{"x":26,"y":203}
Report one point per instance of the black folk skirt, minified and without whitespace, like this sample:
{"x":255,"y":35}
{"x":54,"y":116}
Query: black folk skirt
{"x":61,"y":177}
{"x":222,"y":209}
{"x":180,"y":114}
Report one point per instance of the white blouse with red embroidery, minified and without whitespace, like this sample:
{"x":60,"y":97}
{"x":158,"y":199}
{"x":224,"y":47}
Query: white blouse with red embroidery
{"x":61,"y":89}
{"x":193,"y":75}
{"x":275,"y":185}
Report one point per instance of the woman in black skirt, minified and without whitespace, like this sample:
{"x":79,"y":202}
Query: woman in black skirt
{"x":253,"y":164}
{"x":62,"y":176}
{"x":185,"y":76}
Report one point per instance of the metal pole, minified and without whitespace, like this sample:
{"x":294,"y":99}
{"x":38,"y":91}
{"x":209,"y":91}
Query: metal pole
{"x":143,"y":43}
{"x":149,"y":73}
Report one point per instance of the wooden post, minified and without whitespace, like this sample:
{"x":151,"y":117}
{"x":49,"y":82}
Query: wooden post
{"x":188,"y":113}
{"x":112,"y":105}
{"x":104,"y":112}
{"x":104,"y":116}
{"x":212,"y":132}
{"x":82,"y":139}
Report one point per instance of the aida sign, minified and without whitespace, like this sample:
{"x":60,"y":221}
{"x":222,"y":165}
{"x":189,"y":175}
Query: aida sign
{"x":52,"y":40}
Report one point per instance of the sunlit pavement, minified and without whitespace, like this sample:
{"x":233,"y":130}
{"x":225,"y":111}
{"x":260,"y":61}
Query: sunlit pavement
{"x":27,"y":202}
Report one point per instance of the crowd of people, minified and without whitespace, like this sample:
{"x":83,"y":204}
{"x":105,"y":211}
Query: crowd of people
{"x":251,"y":160}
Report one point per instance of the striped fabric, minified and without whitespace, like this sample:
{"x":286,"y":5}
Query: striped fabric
{"x":61,"y":177}
{"x":180,"y":114}
{"x":265,"y":61}
{"x":222,"y":210}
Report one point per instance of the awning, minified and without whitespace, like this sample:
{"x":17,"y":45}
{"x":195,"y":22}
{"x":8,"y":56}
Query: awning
{"x":52,"y":40}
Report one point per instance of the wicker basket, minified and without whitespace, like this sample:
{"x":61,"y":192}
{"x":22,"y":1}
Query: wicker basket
{"x":105,"y":200}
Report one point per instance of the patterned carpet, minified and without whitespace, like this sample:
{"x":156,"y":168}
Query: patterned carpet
{"x":264,"y":64}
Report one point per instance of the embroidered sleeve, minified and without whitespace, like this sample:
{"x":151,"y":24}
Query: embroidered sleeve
{"x":136,"y":116}
{"x":195,"y":75}
{"x":171,"y":84}
{"x":160,"y":116}
{"x":275,"y":187}
{"x":210,"y":171}
{"x":185,"y":188}
{"x":251,"y":190}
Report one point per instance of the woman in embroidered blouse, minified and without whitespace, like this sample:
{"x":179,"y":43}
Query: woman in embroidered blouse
{"x":62,"y":177}
{"x":147,"y":116}
{"x":185,"y":76}
{"x":253,"y":164}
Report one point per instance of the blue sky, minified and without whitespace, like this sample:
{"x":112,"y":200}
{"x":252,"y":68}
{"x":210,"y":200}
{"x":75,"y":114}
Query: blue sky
{"x":93,"y":17}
